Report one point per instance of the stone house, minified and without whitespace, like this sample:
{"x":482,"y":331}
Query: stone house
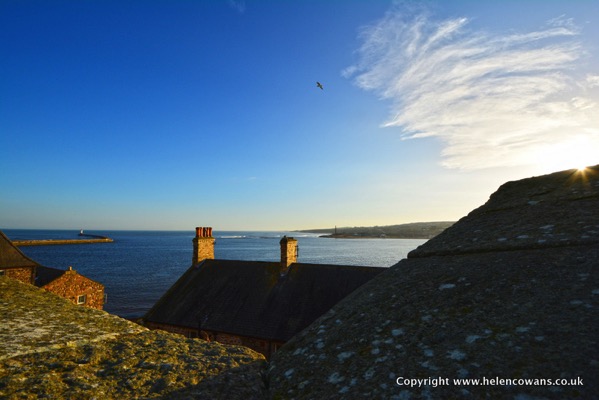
{"x":68,"y":284}
{"x":257,"y":304}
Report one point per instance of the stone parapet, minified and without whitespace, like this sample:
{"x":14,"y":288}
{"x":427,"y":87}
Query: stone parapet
{"x":50,"y":348}
{"x":533,"y":213}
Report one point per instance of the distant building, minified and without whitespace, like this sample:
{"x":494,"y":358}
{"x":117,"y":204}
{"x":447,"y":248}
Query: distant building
{"x":257,"y":304}
{"x":68,"y":284}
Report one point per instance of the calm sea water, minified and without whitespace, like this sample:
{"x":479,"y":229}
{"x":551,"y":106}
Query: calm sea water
{"x":141,"y":265}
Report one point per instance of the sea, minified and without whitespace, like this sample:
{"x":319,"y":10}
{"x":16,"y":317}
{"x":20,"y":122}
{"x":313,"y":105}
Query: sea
{"x":139,"y":266}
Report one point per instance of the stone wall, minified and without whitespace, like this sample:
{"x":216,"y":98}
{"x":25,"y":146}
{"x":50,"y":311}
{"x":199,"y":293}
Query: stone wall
{"x":72,"y":285}
{"x":180,"y":330}
{"x":263,"y":346}
{"x":25,"y":274}
{"x":228,"y":339}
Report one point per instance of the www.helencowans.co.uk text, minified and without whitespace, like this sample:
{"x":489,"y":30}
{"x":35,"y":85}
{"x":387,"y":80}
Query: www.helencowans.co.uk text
{"x":439,"y":381}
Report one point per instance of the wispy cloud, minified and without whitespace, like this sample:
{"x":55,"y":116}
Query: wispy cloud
{"x":494,"y":100}
{"x":237,"y":5}
{"x":593,"y":80}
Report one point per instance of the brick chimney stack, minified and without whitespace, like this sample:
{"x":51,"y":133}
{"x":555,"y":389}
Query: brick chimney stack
{"x":203,"y":245}
{"x":288,"y":252}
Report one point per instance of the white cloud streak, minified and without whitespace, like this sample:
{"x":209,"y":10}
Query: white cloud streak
{"x":237,"y":5}
{"x":494,"y":101}
{"x":593,"y":80}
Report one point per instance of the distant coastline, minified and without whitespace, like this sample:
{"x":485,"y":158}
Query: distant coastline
{"x":416,"y":230}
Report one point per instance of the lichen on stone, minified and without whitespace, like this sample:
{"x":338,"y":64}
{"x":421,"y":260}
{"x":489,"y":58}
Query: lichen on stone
{"x":50,"y":348}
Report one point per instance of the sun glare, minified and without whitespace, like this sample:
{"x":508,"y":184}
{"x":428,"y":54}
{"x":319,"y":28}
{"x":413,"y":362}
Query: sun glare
{"x":577,"y":153}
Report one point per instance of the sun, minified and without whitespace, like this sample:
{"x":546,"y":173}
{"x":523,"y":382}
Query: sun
{"x":576,"y":153}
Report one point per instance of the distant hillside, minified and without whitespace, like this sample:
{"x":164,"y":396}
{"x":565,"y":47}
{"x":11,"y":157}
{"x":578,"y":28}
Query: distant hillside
{"x":416,"y":230}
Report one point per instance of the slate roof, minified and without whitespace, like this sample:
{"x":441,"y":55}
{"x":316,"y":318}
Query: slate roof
{"x":510,"y":291}
{"x":45,"y":275}
{"x":11,"y":256}
{"x":251,"y":298}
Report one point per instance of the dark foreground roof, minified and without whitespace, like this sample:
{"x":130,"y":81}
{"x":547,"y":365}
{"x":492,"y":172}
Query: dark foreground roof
{"x":11,"y":256}
{"x":251,"y":298}
{"x":510,"y":291}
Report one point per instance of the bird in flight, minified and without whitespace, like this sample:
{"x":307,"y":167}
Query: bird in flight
{"x":319,"y":85}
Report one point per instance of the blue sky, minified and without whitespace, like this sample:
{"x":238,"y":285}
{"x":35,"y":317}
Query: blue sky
{"x":176,"y":114}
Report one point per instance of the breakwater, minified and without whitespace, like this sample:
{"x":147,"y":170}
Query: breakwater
{"x":48,"y":242}
{"x":92,"y":236}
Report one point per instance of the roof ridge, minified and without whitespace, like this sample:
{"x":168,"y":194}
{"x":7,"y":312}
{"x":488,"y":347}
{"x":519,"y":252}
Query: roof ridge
{"x":13,"y":248}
